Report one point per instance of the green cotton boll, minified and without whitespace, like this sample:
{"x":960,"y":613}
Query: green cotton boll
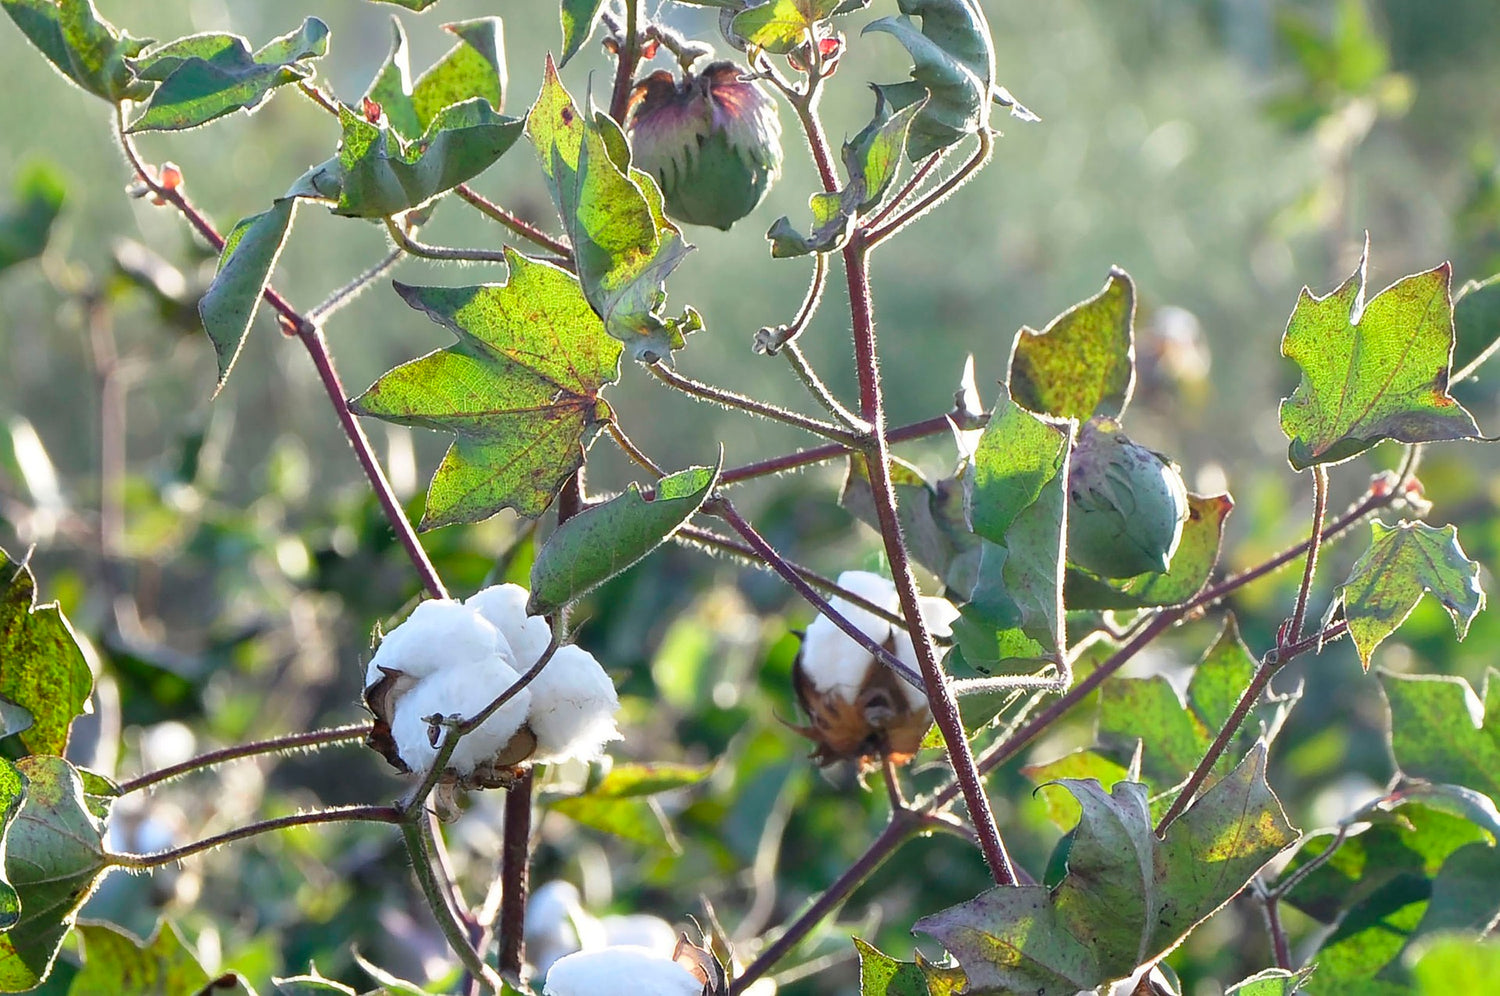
{"x":1126,"y":504}
{"x":712,"y":142}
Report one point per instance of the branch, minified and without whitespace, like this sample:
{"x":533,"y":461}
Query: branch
{"x":342,"y":814}
{"x":414,"y":832}
{"x":937,"y":194}
{"x":274,"y":745}
{"x":406,"y":243}
{"x":522,"y":228}
{"x":763,"y":409}
{"x":829,"y":451}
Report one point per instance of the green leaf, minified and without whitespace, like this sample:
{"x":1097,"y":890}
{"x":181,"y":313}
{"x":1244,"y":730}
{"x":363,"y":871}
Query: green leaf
{"x":54,"y":857}
{"x":1402,"y":562}
{"x":579,"y":18}
{"x":519,"y":390}
{"x":27,"y":222}
{"x":1062,"y":809}
{"x":1465,"y":894}
{"x":781,"y":26}
{"x":1271,"y":982}
{"x":250,"y":252}
{"x":475,"y":67}
{"x":416,"y":5}
{"x":1017,"y":504}
{"x":606,"y":539}
{"x":1127,"y":896}
{"x":1083,"y":363}
{"x":613,"y":214}
{"x":954,"y":62}
{"x":1175,"y":735}
{"x":621,"y":803}
{"x":1192,"y":566}
{"x":1442,"y":732}
{"x":12,"y":796}
{"x":1371,"y":370}
{"x":1457,"y":965}
{"x":378,"y":175}
{"x":882,"y":975}
{"x":207,"y":76}
{"x":931,"y":515}
{"x":312,"y":981}
{"x":393,"y":984}
{"x":42,"y":670}
{"x":85,"y":48}
{"x":117,"y":964}
{"x":1476,"y":319}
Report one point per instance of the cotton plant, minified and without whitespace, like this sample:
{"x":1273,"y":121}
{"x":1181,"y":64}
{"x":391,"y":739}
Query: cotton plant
{"x":448,"y":660}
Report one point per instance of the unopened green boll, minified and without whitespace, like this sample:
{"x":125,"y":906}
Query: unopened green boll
{"x":1126,"y":504}
{"x":711,"y":140}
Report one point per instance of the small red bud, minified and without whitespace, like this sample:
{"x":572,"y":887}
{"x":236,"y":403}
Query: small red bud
{"x":829,"y":47}
{"x":171,"y":176}
{"x":372,"y":110}
{"x":648,"y":50}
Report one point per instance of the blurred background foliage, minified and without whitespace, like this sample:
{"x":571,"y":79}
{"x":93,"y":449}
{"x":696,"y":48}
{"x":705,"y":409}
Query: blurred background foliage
{"x":226,"y":565}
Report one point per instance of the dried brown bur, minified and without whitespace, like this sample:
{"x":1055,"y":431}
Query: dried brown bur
{"x":703,"y":966}
{"x":881,"y":723}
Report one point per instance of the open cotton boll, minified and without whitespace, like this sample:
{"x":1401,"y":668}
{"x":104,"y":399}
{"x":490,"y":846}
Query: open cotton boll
{"x":626,"y":968}
{"x":640,"y":930}
{"x":504,"y":607}
{"x":557,"y":925}
{"x":463,"y":690}
{"x":440,"y":633}
{"x":830,"y":658}
{"x":573,"y":706}
{"x":939,"y":614}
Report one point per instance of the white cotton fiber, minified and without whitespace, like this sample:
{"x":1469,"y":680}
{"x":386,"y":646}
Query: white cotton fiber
{"x":504,"y":607}
{"x":573,"y":706}
{"x":939,"y":614}
{"x":463,"y":691}
{"x":613,"y":971}
{"x":439,"y":633}
{"x":830,"y":658}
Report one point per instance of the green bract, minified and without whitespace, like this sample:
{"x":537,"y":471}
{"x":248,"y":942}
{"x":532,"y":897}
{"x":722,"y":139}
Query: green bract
{"x":1126,"y":505}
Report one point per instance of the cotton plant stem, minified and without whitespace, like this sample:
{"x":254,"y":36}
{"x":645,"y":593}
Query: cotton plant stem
{"x":763,"y":409}
{"x":926,"y":167}
{"x":311,"y":337}
{"x":310,"y":740}
{"x":829,"y":451}
{"x":938,"y":194}
{"x":414,"y":834}
{"x":1304,"y":592}
{"x":630,"y":449}
{"x":819,"y":390}
{"x":521,"y":228}
{"x":347,"y":293}
{"x":406,"y":243}
{"x":726,"y":511}
{"x":516,"y":860}
{"x":342,"y":814}
{"x":629,"y":57}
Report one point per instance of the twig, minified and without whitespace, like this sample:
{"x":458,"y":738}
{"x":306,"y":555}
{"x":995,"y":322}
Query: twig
{"x":634,"y":452}
{"x":515,"y":862}
{"x":829,"y":451}
{"x":522,"y":228}
{"x":629,"y":57}
{"x":927,"y":166}
{"x":342,"y":814}
{"x":819,"y":390}
{"x":406,"y":243}
{"x":763,"y":409}
{"x":414,"y":833}
{"x":1293,"y":632}
{"x":937,"y":194}
{"x":274,"y":745}
{"x":347,"y":293}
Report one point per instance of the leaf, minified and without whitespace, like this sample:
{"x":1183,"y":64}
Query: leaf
{"x":1465,"y":895}
{"x":579,"y":18}
{"x":1083,"y":363}
{"x":12,"y":796}
{"x":1175,"y":735}
{"x":609,"y":538}
{"x":1127,"y":897}
{"x":1476,"y":319}
{"x":1192,"y":566}
{"x":1402,"y":562}
{"x":54,"y":857}
{"x":207,"y":76}
{"x":417,"y":5}
{"x":954,"y":62}
{"x":621,"y":805}
{"x":1271,"y":982}
{"x":249,"y":255}
{"x":931,"y":515}
{"x":475,"y":67}
{"x":633,"y":781}
{"x":117,"y":964}
{"x":26,"y":224}
{"x":882,"y":975}
{"x":1015,"y":501}
{"x":42,"y":669}
{"x":781,"y":26}
{"x":623,"y":244}
{"x":519,"y":390}
{"x":871,"y":160}
{"x":1371,"y":371}
{"x":1062,"y":809}
{"x":86,"y":49}
{"x":1442,"y":732}
{"x":393,"y":984}
{"x":1457,"y":965}
{"x":378,"y":175}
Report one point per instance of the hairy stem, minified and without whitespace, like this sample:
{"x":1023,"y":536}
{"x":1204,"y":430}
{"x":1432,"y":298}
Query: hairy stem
{"x":938,"y":194}
{"x":342,"y":814}
{"x":629,"y":57}
{"x":522,"y":228}
{"x":763,"y":409}
{"x":275,"y":745}
{"x":414,"y":832}
{"x":630,"y":449}
{"x":829,"y":451}
{"x":347,"y":293}
{"x":1320,"y":511}
{"x":878,"y":461}
{"x":819,"y":390}
{"x":516,"y":858}
{"x":406,"y":243}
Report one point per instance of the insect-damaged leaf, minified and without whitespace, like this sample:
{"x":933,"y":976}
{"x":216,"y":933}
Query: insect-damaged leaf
{"x":42,"y":669}
{"x":1404,"y":561}
{"x":519,"y":390}
{"x":623,"y":243}
{"x":1083,"y":363}
{"x":207,"y":76}
{"x":1372,"y":370}
{"x":1127,"y":896}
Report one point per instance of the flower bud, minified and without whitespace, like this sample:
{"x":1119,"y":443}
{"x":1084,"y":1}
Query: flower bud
{"x":712,"y":140}
{"x":1126,"y":504}
{"x":859,"y":708}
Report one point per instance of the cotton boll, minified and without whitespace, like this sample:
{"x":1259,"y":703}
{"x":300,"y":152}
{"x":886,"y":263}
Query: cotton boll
{"x":573,"y":706}
{"x":603,"y":972}
{"x":831,"y":659}
{"x":461,"y":690}
{"x":439,"y":633}
{"x":640,"y":930}
{"x":504,"y":607}
{"x":940,"y":615}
